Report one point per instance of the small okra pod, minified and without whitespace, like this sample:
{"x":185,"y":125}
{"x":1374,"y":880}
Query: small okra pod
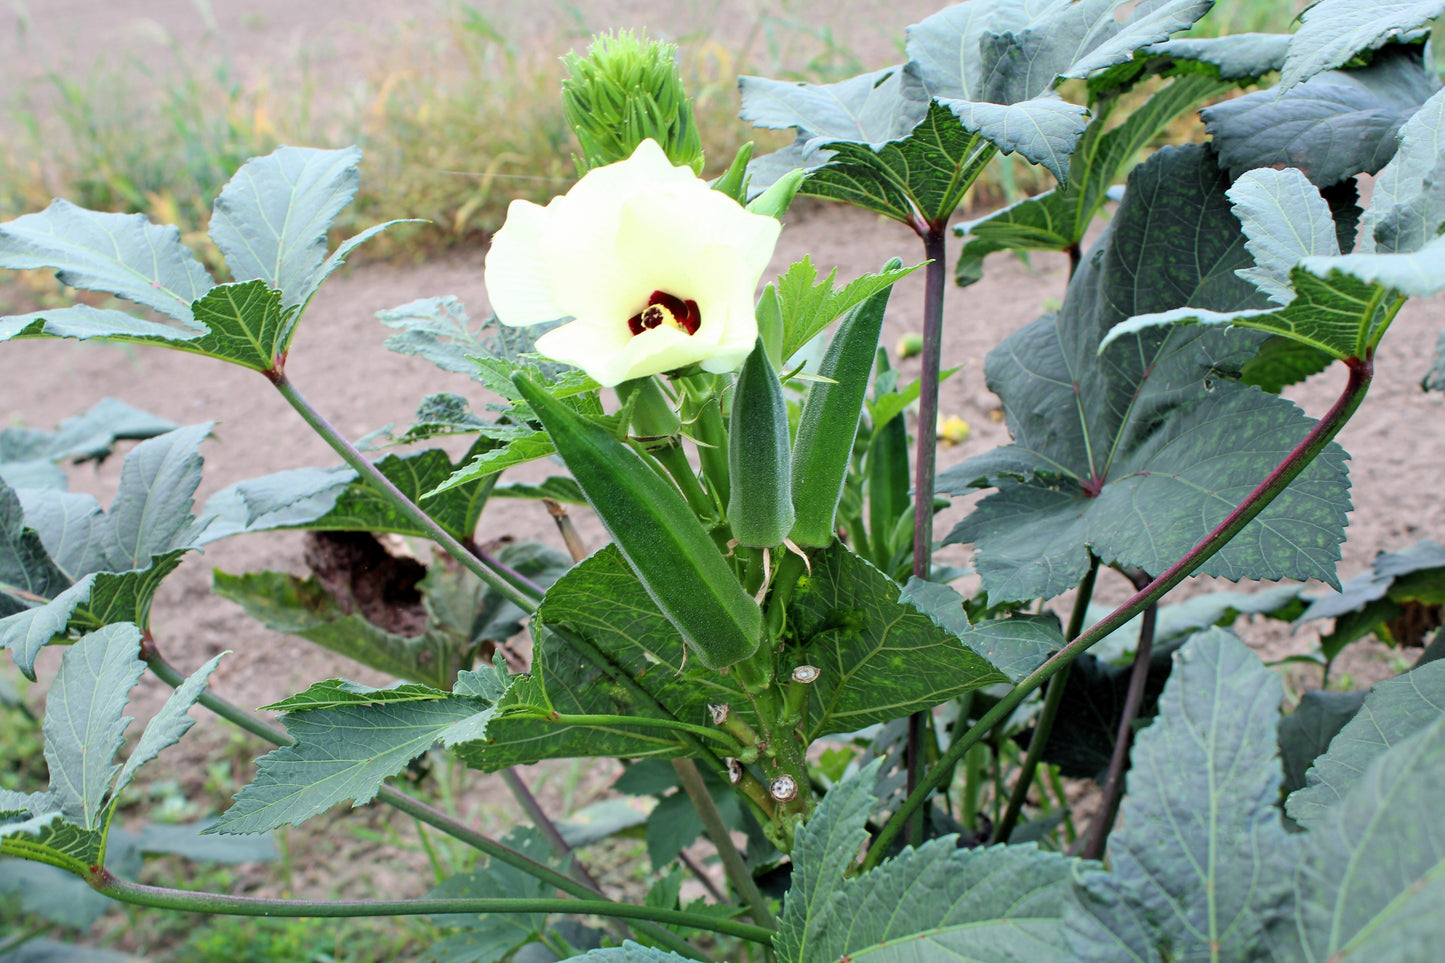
{"x":830,"y":421}
{"x":760,"y":505}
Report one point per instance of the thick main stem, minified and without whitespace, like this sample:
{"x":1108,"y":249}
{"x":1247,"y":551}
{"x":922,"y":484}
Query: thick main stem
{"x":925,"y":462}
{"x":1133,"y":701}
{"x":1361,"y":372}
{"x":159,"y":897}
{"x":1050,"y":711}
{"x":525,"y":600}
{"x":717,"y":831}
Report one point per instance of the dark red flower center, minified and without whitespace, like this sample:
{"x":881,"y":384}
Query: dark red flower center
{"x":664,"y":308}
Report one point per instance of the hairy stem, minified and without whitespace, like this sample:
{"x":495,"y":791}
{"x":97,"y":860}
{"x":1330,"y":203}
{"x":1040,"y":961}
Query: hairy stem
{"x":525,"y":600}
{"x":1361,"y":373}
{"x":926,"y":460}
{"x":1045,"y":724}
{"x":717,"y":831}
{"x":414,"y":807}
{"x":1133,"y":700}
{"x":159,"y":897}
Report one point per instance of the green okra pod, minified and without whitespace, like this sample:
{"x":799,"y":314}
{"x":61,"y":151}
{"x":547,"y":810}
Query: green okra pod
{"x":760,"y":504}
{"x":830,"y":421}
{"x":665,"y":545}
{"x":888,"y":482}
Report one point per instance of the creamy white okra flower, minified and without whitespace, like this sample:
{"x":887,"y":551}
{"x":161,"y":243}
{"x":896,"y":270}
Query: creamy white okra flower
{"x":657,"y":270}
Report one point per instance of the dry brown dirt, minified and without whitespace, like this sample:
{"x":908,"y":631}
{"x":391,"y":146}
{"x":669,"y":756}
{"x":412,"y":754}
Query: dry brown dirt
{"x":1396,"y":440}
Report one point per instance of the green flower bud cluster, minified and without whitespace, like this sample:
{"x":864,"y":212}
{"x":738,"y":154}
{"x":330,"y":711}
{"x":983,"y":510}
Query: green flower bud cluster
{"x":626,"y":90}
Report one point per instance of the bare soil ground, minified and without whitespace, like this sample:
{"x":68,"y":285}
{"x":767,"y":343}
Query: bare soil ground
{"x":1396,"y":439}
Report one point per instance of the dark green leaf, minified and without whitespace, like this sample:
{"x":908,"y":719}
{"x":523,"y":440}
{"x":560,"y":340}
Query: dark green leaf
{"x":490,"y":937}
{"x":334,"y":693}
{"x":272,"y":217}
{"x":558,"y":488}
{"x":1094,"y":697}
{"x":121,"y":254}
{"x":1394,"y":710}
{"x":870,"y":109}
{"x":1135,"y":454}
{"x":1334,"y":126}
{"x":1305,"y":734}
{"x":336,"y":500}
{"x":1407,"y":206}
{"x":1238,"y":56}
{"x":1058,"y":219}
{"x":1002,"y":903}
{"x":91,"y":435}
{"x":1371,"y":885}
{"x":24,"y":564}
{"x":823,"y":851}
{"x":601,"y":600}
{"x":304,"y":607}
{"x":880,"y":657}
{"x":1016,"y":646}
{"x":1282,"y":362}
{"x":84,"y":724}
{"x":1201,"y":860}
{"x":925,"y":174}
{"x":1333,"y":32}
{"x":345,"y":753}
{"x":248,"y":325}
{"x":672,"y":826}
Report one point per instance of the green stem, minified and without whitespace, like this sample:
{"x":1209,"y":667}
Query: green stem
{"x":729,"y":744}
{"x":1045,"y":725}
{"x":414,"y":807}
{"x":524,"y":600}
{"x":159,"y":897}
{"x":672,"y":458}
{"x":1361,"y":373}
{"x":717,"y":831}
{"x":926,"y":459}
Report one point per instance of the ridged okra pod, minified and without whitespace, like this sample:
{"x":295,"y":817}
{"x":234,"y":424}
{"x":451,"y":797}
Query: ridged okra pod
{"x":666,"y":546}
{"x":887,"y":482}
{"x":830,"y":421}
{"x":760,"y":505}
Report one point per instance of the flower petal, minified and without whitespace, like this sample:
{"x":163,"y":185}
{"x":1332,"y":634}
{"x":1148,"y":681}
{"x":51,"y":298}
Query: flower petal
{"x":518,"y":274}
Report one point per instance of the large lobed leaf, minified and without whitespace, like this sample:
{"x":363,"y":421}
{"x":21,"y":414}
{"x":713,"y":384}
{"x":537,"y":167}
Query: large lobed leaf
{"x":337,"y":500}
{"x":1393,"y":711}
{"x":121,"y":254}
{"x":116,"y":559}
{"x":346,"y":752}
{"x":272,"y":218}
{"x":1058,"y":219}
{"x":1136,"y":454}
{"x":1201,"y":861}
{"x":998,"y":904}
{"x":1333,"y":32}
{"x":1334,"y":126}
{"x":28,"y":455}
{"x":1371,"y":885}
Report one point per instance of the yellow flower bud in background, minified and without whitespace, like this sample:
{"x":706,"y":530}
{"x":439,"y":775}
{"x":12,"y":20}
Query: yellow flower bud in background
{"x":625,"y":91}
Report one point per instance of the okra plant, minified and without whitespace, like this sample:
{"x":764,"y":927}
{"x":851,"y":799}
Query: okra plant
{"x":768,"y":642}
